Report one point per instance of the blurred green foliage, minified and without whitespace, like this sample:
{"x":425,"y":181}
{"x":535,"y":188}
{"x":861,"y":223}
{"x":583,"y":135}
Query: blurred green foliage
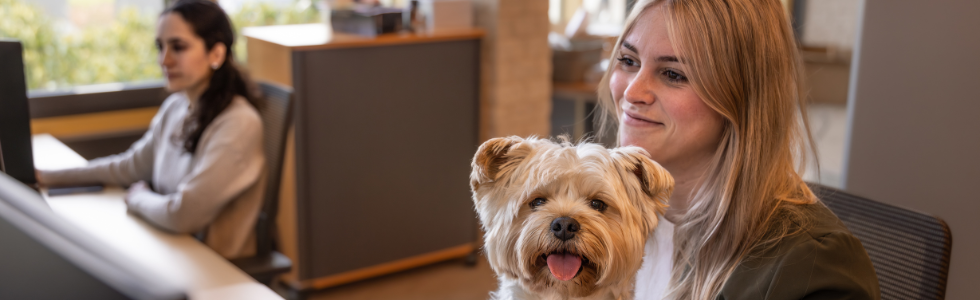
{"x":41,"y":50}
{"x":264,"y":14}
{"x":122,"y":51}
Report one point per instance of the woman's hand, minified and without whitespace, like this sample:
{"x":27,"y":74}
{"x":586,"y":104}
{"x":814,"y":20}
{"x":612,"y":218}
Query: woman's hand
{"x":136,"y":188}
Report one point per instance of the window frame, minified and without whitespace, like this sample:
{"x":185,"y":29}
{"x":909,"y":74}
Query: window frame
{"x":131,"y":95}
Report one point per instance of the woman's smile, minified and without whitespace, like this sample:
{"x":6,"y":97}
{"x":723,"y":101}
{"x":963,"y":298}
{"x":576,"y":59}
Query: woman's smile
{"x":638,"y":120}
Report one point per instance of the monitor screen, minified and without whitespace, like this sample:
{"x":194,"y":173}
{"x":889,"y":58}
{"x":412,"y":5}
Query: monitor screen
{"x":16,"y":158}
{"x":43,"y":256}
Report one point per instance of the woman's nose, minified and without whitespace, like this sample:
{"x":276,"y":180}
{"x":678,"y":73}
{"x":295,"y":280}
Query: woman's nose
{"x":165,"y":59}
{"x":641,"y":89}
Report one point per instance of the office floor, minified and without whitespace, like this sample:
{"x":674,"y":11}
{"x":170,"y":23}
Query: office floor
{"x":447,"y":280}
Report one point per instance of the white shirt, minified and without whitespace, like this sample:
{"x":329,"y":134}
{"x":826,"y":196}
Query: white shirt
{"x":654,"y":274}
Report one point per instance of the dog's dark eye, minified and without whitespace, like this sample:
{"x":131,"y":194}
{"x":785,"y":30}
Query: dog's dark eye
{"x":538,"y":202}
{"x":598,"y":205}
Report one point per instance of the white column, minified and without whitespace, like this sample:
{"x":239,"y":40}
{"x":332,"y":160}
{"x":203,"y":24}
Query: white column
{"x":516,"y":75}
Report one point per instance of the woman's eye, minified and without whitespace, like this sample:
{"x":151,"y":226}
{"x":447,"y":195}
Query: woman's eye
{"x":537,"y":202}
{"x":177,"y":47}
{"x":674,"y":76}
{"x":626,"y":61}
{"x":598,"y":205}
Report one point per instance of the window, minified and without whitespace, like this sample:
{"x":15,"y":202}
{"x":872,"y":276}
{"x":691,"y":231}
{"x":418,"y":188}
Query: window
{"x":71,"y":44}
{"x":605,"y":17}
{"x":82,"y":42}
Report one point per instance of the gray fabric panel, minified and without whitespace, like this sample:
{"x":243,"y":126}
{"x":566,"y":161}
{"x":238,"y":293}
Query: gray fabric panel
{"x":385,"y":136}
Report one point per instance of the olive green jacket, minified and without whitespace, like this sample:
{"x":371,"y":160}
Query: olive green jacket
{"x":824,"y":262}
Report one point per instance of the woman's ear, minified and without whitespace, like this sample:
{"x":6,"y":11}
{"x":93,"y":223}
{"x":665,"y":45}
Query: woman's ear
{"x":216,"y":57}
{"x":492,"y":157}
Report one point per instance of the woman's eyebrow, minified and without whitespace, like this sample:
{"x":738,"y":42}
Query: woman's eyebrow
{"x":627,"y":45}
{"x":668,"y":58}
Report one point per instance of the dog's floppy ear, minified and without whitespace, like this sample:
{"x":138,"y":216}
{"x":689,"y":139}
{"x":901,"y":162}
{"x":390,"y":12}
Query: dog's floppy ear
{"x":492,"y":157}
{"x":655,"y":181}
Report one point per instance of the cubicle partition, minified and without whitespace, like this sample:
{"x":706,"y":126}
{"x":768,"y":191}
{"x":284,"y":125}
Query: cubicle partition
{"x":377,"y":170}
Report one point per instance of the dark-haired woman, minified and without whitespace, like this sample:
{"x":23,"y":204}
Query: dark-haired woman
{"x":203,"y":151}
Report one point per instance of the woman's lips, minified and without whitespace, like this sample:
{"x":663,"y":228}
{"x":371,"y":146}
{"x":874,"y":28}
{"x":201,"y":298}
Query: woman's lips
{"x":635,"y":120}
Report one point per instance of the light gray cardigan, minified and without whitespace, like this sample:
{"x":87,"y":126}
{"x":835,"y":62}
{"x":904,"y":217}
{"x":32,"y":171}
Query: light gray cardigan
{"x":218,"y":189}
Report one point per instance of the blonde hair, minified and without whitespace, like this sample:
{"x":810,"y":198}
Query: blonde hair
{"x":743,"y":61}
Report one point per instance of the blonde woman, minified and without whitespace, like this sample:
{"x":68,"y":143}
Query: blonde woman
{"x":712,"y":89}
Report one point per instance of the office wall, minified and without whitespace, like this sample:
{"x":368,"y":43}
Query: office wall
{"x":915,"y":118}
{"x":830,"y":23}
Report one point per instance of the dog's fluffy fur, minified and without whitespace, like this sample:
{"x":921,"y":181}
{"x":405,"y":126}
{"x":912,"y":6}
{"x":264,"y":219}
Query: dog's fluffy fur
{"x":510,"y":173}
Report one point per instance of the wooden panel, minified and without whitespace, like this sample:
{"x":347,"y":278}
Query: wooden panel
{"x":95,"y":123}
{"x":269,"y":62}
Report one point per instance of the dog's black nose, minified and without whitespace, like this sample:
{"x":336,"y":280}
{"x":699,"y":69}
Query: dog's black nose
{"x":564,"y":228}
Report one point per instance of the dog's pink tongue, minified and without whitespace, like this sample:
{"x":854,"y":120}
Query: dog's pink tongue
{"x":564,"y":266}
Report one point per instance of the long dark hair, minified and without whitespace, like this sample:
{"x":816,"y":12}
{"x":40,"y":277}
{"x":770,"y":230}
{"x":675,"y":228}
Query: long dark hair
{"x":211,"y":23}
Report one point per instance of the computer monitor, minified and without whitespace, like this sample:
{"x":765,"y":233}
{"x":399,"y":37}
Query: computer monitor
{"x":16,"y":157}
{"x":44,"y":257}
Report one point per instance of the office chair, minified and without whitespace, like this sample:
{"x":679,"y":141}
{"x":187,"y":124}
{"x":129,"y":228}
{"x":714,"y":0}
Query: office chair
{"x":276,"y":119}
{"x":910,"y":250}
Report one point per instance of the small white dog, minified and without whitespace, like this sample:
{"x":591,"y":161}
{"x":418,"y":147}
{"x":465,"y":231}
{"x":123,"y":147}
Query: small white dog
{"x":566,"y":221}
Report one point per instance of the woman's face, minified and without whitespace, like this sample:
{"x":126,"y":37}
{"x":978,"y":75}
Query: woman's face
{"x":182,"y":55}
{"x":659,"y":110}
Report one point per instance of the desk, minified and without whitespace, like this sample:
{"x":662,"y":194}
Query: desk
{"x":180,"y":259}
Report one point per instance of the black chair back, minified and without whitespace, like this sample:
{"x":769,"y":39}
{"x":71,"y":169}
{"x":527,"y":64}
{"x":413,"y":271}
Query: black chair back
{"x":276,"y":118}
{"x":910,"y":250}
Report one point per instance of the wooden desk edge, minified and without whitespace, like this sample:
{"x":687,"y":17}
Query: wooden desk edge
{"x":385,"y":268}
